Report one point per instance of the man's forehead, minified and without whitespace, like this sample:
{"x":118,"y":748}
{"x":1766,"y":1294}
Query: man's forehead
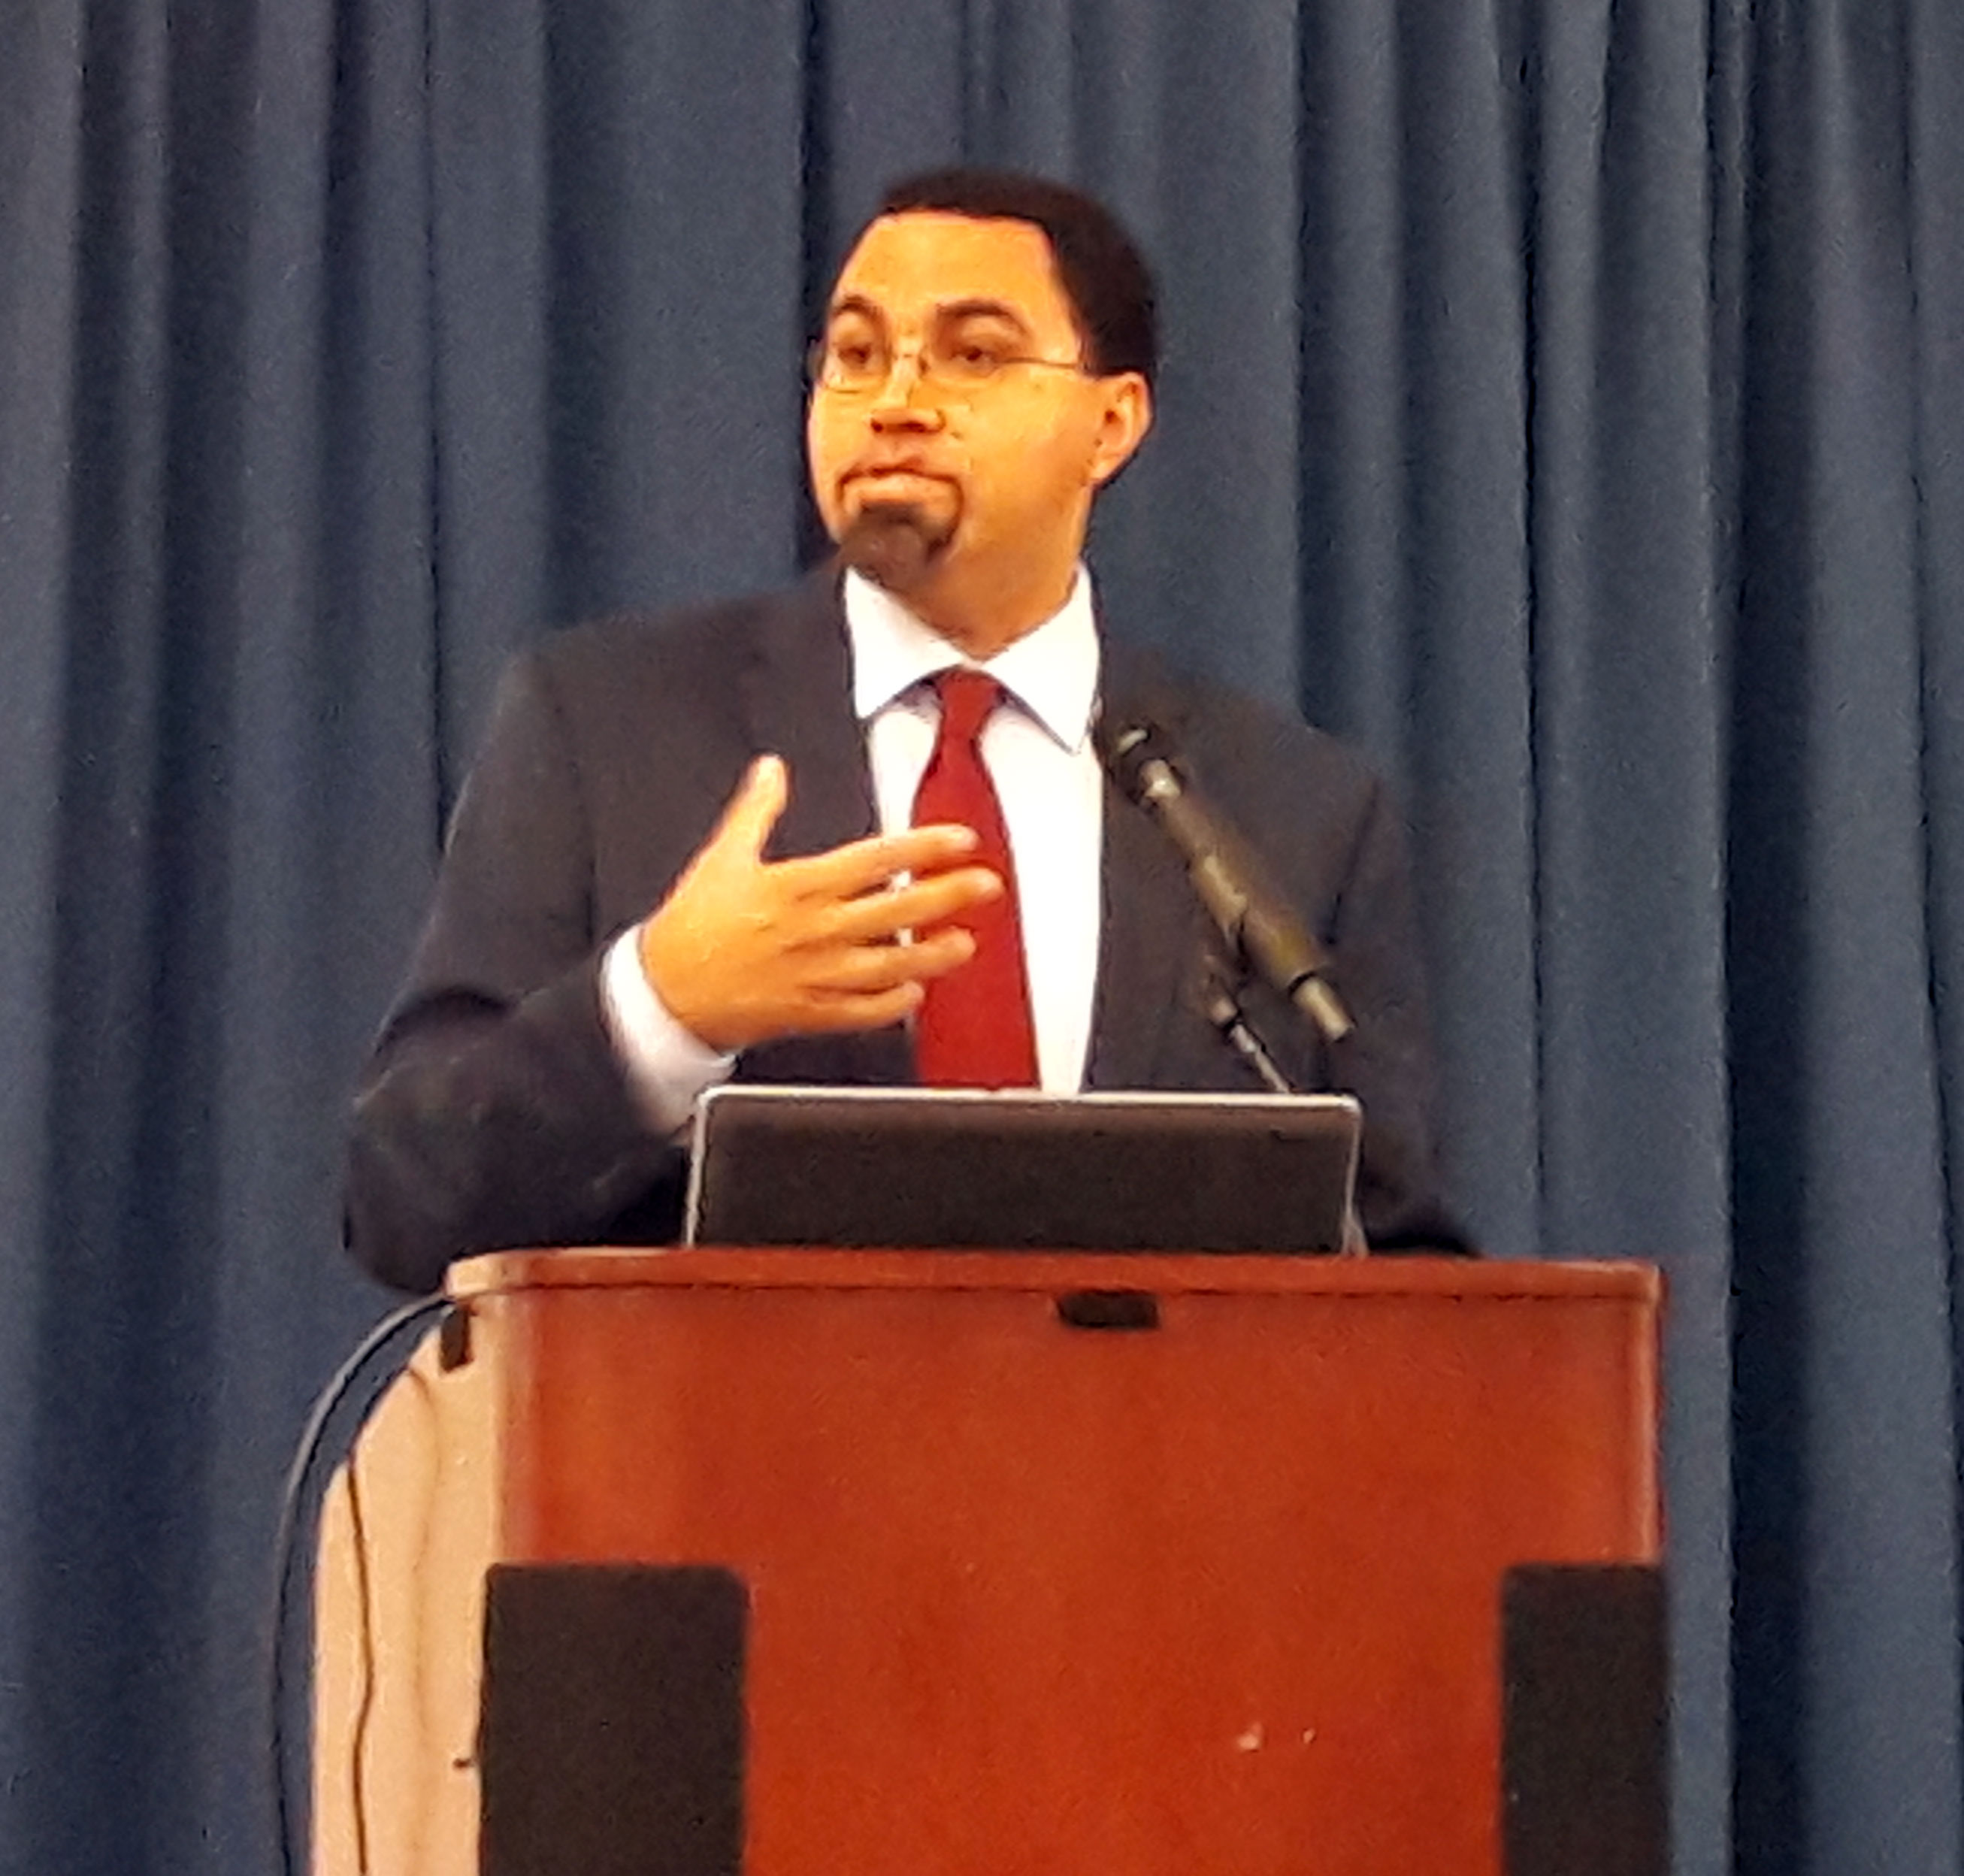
{"x":922,"y":259}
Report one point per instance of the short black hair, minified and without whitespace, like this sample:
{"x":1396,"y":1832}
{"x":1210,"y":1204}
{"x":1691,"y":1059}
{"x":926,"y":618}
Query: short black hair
{"x":1098,"y":264}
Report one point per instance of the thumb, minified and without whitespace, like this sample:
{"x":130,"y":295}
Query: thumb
{"x":753,"y":810}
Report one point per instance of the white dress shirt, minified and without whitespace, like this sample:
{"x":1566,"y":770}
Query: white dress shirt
{"x":1038,"y":749}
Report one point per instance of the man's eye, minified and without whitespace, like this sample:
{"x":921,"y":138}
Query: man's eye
{"x":974,"y":357}
{"x":853,"y":355}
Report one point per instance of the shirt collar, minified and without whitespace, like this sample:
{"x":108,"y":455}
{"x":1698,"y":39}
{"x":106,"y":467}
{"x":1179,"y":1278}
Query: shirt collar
{"x":1051,"y":672}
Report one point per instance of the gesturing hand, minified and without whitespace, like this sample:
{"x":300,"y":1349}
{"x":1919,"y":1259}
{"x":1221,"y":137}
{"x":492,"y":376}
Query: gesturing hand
{"x":744,"y":949}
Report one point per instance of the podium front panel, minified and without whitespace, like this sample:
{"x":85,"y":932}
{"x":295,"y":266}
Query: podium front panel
{"x":1215,"y":1588}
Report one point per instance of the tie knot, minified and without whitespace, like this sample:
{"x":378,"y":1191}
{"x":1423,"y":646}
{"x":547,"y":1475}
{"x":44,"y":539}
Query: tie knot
{"x":968,"y":698}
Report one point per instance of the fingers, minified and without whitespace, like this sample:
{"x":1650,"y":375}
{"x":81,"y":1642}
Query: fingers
{"x":867,"y":986}
{"x":861,"y":865}
{"x":916,"y":906}
{"x":866,"y":969}
{"x":826,"y":1014}
{"x":753,"y":810}
{"x":744,"y":949}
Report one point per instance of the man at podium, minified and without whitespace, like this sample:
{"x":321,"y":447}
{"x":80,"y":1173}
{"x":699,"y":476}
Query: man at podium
{"x":860,"y":833}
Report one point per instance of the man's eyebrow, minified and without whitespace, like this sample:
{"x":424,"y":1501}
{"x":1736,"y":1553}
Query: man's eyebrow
{"x":981,"y":309}
{"x":978,"y":308}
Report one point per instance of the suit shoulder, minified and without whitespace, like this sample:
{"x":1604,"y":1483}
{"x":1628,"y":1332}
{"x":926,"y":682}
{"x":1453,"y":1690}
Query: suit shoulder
{"x":703,"y":645}
{"x":1237,"y":742}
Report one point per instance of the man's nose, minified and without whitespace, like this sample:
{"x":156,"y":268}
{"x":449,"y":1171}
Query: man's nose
{"x":899,"y":404}
{"x":887,"y":416}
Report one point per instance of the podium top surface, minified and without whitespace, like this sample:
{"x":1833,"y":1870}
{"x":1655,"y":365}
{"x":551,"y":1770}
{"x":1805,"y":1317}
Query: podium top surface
{"x":502,"y":1272}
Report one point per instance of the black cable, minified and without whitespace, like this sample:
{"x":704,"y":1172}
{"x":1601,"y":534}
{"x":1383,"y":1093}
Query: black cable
{"x":297,"y":1512}
{"x":364,"y":1601}
{"x":365,"y":1708}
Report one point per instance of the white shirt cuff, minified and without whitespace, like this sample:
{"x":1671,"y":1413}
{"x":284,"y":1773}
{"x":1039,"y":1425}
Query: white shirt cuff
{"x":667,"y":1068}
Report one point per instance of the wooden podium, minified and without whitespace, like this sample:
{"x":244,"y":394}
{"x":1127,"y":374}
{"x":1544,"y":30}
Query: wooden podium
{"x":1142,"y":1566}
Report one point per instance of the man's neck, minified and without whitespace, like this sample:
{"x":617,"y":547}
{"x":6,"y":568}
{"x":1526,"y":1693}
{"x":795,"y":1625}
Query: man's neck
{"x":980,"y":624}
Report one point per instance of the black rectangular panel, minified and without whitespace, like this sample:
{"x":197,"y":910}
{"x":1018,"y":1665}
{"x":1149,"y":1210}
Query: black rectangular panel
{"x":945,"y":1169}
{"x":1584,"y":1721}
{"x":611,"y":1738}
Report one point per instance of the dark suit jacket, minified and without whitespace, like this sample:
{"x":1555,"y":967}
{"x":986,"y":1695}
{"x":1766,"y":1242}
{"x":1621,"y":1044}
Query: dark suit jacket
{"x":495,"y":1114}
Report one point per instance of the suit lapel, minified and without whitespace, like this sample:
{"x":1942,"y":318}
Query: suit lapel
{"x":1147,"y":935}
{"x":797,"y":702}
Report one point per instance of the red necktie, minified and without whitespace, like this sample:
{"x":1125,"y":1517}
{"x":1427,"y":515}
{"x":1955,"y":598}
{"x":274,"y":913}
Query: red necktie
{"x":974,"y":1029}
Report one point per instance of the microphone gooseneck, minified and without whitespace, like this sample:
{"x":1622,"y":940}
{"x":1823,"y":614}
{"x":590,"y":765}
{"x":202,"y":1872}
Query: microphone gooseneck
{"x":1256,"y":920}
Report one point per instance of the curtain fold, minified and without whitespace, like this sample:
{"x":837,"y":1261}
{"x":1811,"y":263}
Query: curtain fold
{"x":40,"y":138}
{"x":1563,"y":398}
{"x":1845,"y":1267}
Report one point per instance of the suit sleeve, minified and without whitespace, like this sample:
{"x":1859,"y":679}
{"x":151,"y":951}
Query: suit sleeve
{"x":495,"y":1112}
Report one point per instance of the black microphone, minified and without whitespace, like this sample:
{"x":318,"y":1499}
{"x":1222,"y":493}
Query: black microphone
{"x":1253,"y":917}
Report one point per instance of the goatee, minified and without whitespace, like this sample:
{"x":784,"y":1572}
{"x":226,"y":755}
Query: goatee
{"x":894,"y":544}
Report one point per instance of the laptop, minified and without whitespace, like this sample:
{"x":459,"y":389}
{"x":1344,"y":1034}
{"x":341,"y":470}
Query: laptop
{"x":940,"y":1169}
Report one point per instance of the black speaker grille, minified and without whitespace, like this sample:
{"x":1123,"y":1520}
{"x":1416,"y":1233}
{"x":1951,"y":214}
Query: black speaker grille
{"x":611,"y":1738}
{"x":1584,"y":1722}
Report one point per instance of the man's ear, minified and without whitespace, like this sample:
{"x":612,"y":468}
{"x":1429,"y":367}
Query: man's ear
{"x":1122,"y":423}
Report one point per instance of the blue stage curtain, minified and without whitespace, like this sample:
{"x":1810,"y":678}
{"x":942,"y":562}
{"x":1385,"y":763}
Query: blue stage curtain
{"x":1563,"y":398}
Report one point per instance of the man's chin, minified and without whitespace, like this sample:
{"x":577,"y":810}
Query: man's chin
{"x":895,"y":544}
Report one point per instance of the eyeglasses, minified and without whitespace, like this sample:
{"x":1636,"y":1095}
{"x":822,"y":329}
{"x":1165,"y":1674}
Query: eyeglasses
{"x":852,"y":366}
